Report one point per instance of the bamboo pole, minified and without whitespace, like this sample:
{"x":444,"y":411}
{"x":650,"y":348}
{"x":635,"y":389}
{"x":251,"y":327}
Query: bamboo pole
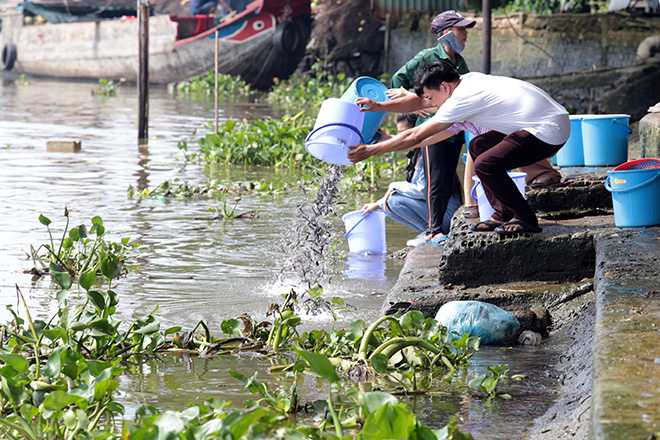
{"x":143,"y":72}
{"x":486,"y":37}
{"x":217,"y":60}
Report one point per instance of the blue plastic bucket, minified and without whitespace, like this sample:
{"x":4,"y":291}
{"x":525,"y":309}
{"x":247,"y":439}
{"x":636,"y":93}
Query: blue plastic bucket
{"x":337,"y":126}
{"x":367,"y":87}
{"x":605,"y":139}
{"x":365,"y":233}
{"x":478,"y":194}
{"x":635,"y":193}
{"x":572,"y":153}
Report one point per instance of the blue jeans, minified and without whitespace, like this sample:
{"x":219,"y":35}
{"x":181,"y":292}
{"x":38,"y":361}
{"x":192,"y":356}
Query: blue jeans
{"x":413,"y":213}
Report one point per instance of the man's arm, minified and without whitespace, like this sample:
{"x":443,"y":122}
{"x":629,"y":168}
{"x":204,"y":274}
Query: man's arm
{"x":406,"y":104}
{"x":427,"y":133}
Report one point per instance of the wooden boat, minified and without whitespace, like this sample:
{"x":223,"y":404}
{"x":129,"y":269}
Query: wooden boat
{"x":265,"y":40}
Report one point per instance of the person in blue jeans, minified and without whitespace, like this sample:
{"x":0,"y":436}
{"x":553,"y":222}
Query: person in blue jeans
{"x":405,"y":202}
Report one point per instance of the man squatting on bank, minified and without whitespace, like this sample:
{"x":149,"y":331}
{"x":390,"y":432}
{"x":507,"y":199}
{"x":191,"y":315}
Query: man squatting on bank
{"x":526,"y":125}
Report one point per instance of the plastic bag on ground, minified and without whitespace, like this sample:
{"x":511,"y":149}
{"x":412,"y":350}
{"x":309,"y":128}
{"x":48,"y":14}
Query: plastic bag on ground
{"x":486,"y":321}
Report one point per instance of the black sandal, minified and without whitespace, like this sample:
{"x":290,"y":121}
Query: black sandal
{"x":490,"y":226}
{"x":525,"y":228}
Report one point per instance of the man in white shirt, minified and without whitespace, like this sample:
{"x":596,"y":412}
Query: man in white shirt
{"x":526,"y":125}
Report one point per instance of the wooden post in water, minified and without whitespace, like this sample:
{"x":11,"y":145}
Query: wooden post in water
{"x":217,"y":60}
{"x":486,"y":37}
{"x":143,"y":72}
{"x":386,"y":44}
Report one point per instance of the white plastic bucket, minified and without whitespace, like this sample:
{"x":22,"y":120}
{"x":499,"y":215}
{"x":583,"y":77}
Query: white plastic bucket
{"x":337,"y":126}
{"x":478,"y":194}
{"x":365,"y":233}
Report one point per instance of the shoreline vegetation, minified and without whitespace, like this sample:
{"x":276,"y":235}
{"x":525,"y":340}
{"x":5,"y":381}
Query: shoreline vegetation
{"x":60,"y":375}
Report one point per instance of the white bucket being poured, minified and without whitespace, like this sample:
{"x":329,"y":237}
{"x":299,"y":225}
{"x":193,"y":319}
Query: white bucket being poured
{"x":337,"y":126}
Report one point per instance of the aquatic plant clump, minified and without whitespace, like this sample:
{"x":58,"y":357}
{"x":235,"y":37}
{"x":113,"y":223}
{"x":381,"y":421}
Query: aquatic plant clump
{"x":60,"y":376}
{"x":308,"y":91}
{"x":204,"y":86}
{"x":77,"y":252}
{"x":177,"y":189}
{"x":277,"y":142}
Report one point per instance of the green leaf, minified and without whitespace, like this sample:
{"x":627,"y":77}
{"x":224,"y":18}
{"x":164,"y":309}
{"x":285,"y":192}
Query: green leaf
{"x":54,"y":363}
{"x":113,"y":298}
{"x":74,"y":234}
{"x":110,"y":266}
{"x":241,"y":423}
{"x":391,"y":421}
{"x":172,"y":330}
{"x":355,"y":330}
{"x":379,"y":362}
{"x":374,"y":400}
{"x":320,"y":364}
{"x":97,"y":299}
{"x":63,"y":279}
{"x":477,"y":381}
{"x":16,"y":361}
{"x":87,"y":279}
{"x":413,"y":320}
{"x":101,"y":327}
{"x":57,"y":400}
{"x":231,"y":327}
{"x":170,"y":425}
{"x":44,"y":220}
{"x":149,"y":328}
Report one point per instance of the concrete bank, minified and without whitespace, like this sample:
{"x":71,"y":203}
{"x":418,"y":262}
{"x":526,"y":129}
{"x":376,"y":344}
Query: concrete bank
{"x":610,"y":388}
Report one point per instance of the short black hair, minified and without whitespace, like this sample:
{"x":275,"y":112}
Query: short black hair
{"x":433,"y":74}
{"x":409,"y":118}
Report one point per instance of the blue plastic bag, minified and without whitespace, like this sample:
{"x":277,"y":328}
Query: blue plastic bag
{"x":486,"y":321}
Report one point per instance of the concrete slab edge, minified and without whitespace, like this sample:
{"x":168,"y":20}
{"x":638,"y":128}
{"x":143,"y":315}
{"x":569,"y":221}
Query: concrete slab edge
{"x":626,"y":354}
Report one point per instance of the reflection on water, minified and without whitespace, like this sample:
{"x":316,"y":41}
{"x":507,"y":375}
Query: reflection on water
{"x":365,"y":267}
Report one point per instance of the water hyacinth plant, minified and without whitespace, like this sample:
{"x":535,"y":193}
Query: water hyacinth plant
{"x":309,"y":91}
{"x":59,"y":377}
{"x":203,"y":87}
{"x":271,"y":141}
{"x":77,"y":252}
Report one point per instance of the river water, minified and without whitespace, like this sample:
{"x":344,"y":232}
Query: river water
{"x":192,"y":268}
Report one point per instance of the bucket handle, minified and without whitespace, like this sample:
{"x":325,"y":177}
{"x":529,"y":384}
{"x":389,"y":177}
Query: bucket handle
{"x":632,"y":188}
{"x":474,"y":190}
{"x":341,"y":124}
{"x":357,"y":223}
{"x":624,"y":125}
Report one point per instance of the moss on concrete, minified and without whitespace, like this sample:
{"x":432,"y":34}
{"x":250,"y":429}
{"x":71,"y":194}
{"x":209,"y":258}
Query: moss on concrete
{"x":649,"y":135}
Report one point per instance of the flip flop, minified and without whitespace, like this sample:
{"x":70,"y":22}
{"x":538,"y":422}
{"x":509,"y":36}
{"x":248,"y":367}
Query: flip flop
{"x":438,"y":241}
{"x":472,"y":213}
{"x":526,"y":227}
{"x":490,"y":226}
